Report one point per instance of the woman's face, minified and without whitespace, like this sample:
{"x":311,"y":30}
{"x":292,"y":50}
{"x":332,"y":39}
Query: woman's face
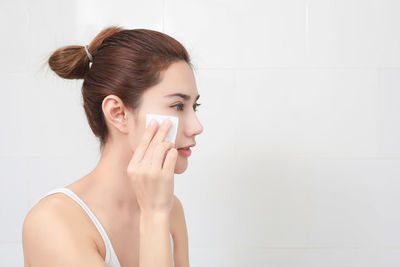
{"x":162,"y":99}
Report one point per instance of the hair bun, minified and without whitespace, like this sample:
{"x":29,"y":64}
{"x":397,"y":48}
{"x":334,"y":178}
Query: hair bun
{"x":72,"y":62}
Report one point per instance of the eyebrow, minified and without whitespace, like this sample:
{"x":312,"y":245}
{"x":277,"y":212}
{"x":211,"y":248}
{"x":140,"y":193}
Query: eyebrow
{"x":185,"y":97}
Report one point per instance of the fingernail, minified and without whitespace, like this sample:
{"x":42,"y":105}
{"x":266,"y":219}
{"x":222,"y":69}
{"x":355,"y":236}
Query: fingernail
{"x":167,"y":122}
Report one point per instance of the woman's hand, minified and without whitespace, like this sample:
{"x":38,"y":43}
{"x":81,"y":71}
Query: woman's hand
{"x":151,"y":170}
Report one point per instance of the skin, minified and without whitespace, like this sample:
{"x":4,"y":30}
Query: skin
{"x":107,"y":189}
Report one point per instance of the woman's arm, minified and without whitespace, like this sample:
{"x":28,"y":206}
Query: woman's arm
{"x":155,"y":243}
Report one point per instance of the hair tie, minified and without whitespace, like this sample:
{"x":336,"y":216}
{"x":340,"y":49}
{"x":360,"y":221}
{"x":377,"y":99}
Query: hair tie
{"x":88,"y":54}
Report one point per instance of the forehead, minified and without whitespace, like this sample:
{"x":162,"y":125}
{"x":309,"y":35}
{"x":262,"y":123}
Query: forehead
{"x":177,"y":78}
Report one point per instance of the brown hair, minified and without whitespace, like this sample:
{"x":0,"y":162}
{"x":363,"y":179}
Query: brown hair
{"x":125,"y":63}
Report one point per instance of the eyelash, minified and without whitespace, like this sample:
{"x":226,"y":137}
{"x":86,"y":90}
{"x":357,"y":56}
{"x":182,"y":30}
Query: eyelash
{"x":181,"y":105}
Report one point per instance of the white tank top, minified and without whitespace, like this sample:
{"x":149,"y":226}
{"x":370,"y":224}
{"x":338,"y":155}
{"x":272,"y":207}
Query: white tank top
{"x":111,"y":258}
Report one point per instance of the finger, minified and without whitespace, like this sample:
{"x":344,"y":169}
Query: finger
{"x":170,"y":162}
{"x":144,"y":143}
{"x":159,"y":154}
{"x":158,"y":138}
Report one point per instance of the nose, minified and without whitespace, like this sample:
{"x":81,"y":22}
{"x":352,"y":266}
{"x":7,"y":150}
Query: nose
{"x":193,"y":126}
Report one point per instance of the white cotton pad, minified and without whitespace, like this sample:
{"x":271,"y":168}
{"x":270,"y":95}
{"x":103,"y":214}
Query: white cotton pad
{"x":173,"y":130}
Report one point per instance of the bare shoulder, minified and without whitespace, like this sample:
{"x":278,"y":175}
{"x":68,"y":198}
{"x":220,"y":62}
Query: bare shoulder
{"x":179,"y":234}
{"x":57,"y":209}
{"x":177,"y":212}
{"x":177,"y":204}
{"x":54,"y":227}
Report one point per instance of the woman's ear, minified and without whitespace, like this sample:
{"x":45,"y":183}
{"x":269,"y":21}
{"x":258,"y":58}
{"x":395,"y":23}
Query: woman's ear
{"x":115,"y":113}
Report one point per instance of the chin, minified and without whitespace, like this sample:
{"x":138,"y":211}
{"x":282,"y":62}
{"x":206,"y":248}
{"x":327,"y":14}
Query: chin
{"x":181,"y":165}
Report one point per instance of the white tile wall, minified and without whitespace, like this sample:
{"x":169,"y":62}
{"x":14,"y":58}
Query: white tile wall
{"x":13,"y":197}
{"x":14,"y":28}
{"x":301,"y":257}
{"x":298,"y":163}
{"x":389,"y":119}
{"x":237,"y":34}
{"x":354,"y":33}
{"x":11,"y":254}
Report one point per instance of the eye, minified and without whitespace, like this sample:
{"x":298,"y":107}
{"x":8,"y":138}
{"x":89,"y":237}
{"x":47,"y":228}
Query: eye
{"x":182,"y":105}
{"x":195,"y":106}
{"x":179,"y":105}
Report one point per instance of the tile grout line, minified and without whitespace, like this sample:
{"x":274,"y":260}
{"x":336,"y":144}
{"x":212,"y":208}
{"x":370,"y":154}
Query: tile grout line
{"x":378,"y":113}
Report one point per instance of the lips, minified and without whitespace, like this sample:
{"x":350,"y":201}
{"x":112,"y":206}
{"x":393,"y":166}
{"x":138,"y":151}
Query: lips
{"x":185,"y":152}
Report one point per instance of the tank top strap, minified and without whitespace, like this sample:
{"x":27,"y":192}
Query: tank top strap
{"x":111,"y":258}
{"x":104,"y":236}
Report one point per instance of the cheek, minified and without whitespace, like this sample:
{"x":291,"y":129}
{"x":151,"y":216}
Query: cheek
{"x":135,"y":136}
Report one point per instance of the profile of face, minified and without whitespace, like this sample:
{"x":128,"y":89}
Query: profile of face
{"x":176,"y":95}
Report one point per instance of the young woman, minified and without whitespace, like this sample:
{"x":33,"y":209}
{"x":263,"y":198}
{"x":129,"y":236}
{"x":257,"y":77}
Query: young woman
{"x":124,"y":212}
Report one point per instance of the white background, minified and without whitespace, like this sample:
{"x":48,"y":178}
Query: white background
{"x":299,"y":161}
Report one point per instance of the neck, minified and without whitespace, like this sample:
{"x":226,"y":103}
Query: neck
{"x":111,"y":181}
